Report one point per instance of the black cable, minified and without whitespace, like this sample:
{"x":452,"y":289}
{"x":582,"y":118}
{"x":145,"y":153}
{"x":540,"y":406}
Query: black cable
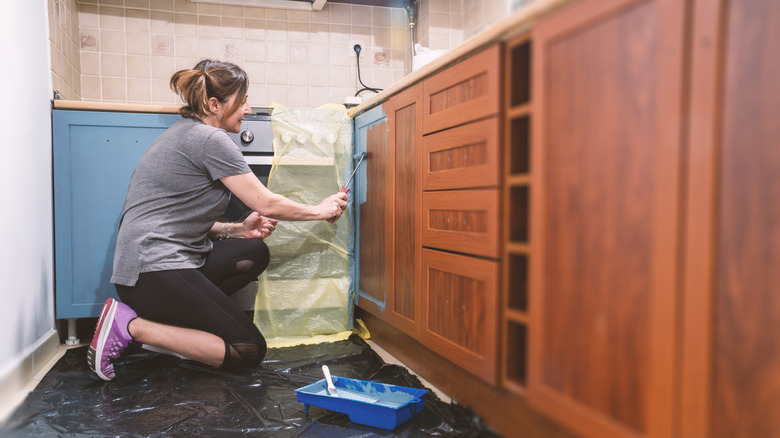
{"x":365,"y":87}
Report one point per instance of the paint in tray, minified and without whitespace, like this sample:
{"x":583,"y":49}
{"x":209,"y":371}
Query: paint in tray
{"x":369,"y":403}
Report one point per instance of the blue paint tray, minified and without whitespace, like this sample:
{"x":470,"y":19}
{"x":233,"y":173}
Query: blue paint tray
{"x":370,"y":403}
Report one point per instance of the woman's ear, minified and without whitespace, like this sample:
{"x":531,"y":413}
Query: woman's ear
{"x":214,"y":105}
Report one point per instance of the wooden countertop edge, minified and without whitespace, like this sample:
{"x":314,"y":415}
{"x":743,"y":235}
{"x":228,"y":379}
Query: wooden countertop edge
{"x":504,"y":30}
{"x":115,"y":106}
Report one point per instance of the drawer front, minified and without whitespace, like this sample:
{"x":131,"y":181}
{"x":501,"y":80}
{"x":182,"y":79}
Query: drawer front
{"x":465,"y":92}
{"x":464,"y":221}
{"x":462,"y":157}
{"x":460,"y":302}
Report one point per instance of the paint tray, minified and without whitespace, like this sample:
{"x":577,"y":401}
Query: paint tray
{"x":370,"y":403}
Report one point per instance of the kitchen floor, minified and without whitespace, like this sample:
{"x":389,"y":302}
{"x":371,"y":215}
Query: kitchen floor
{"x":18,"y":400}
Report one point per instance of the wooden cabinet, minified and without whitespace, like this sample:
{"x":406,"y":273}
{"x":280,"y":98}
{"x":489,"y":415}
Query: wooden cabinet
{"x":460,"y":213}
{"x":405,"y":135}
{"x":634,"y":276}
{"x":730,"y":380}
{"x":517,"y":113}
{"x":389,"y":220}
{"x":464,"y":221}
{"x":466,"y":91}
{"x":462,"y":157}
{"x":459,"y":308}
{"x":439,"y":191}
{"x":605,"y":194}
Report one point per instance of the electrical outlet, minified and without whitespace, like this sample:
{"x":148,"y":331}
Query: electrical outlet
{"x":363,"y":48}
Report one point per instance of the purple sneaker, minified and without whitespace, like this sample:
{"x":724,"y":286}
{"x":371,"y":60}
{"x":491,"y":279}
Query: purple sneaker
{"x":111,"y":338}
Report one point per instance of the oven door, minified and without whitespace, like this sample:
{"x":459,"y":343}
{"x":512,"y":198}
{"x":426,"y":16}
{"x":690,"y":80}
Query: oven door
{"x":261,"y":166}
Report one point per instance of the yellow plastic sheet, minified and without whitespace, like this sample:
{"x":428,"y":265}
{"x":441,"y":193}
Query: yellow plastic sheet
{"x":304,"y":295}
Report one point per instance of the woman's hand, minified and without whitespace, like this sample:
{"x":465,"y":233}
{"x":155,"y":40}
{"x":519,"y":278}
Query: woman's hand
{"x":333,"y":206}
{"x":258,"y":227}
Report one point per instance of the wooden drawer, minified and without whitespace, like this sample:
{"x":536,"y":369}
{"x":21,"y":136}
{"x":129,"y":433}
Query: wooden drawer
{"x":460,"y":304}
{"x":464,"y":221}
{"x":465,"y":92}
{"x":462,"y":157}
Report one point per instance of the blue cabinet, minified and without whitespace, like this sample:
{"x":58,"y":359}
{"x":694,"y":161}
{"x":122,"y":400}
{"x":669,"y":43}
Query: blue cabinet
{"x":374,"y":239}
{"x":94,"y":156}
{"x":373,"y":232}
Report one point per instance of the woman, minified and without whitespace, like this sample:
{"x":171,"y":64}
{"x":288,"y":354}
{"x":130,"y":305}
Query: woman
{"x":175,"y":266}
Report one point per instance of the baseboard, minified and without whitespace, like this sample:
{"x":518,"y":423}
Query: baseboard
{"x":507,"y":413}
{"x":15,"y":382}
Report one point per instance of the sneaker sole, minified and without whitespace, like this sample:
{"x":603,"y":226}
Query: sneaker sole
{"x":95,"y":355}
{"x":91,"y":351}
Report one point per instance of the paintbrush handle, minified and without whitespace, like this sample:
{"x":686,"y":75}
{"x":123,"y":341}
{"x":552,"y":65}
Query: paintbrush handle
{"x":331,"y":386}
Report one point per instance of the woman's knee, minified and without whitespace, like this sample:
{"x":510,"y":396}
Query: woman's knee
{"x":250,"y":354}
{"x":263,"y":256}
{"x":255,"y":259}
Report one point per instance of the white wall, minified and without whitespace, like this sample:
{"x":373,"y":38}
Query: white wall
{"x":26,"y":249}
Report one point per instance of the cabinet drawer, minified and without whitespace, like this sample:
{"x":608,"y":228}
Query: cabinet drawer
{"x":464,"y":221}
{"x":462,"y":93}
{"x":460,"y":318}
{"x":462,"y":157}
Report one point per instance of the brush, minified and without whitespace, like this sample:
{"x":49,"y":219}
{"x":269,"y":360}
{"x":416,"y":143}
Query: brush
{"x":331,"y":387}
{"x":345,"y":393}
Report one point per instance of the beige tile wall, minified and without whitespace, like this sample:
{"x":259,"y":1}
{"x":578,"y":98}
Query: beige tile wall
{"x":126,"y":50}
{"x":439,"y":23}
{"x":130,"y":48}
{"x":64,"y":47}
{"x":444,"y":24}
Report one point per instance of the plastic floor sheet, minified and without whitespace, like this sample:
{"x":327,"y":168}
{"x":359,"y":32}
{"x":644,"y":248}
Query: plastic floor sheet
{"x":157,"y":395}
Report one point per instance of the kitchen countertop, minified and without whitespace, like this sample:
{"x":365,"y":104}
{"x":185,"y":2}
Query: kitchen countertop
{"x":88,"y":105}
{"x":503,"y":30}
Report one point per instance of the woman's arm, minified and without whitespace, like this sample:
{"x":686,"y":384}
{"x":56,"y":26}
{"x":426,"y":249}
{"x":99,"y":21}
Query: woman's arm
{"x":256,"y":196}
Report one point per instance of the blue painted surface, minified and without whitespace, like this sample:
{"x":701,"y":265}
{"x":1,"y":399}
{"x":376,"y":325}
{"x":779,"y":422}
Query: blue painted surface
{"x":363,"y":123}
{"x":94,"y":154}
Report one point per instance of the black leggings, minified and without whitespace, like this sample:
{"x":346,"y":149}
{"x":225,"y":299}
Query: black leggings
{"x":200,"y":298}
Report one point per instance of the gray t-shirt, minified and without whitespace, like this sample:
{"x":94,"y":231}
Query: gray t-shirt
{"x":173,"y":199}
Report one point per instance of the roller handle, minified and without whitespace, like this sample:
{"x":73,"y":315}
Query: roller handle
{"x":343,"y":190}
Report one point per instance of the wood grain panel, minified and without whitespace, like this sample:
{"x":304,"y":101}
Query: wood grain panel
{"x":404,"y":113}
{"x":468,"y":90}
{"x":463,"y":93}
{"x":747,"y":304}
{"x":700,"y":221}
{"x":464,"y":221}
{"x":606,"y":142}
{"x":459,"y":309}
{"x":462,"y":157}
{"x":598,"y":202}
{"x":374,"y":238}
{"x":461,"y":299}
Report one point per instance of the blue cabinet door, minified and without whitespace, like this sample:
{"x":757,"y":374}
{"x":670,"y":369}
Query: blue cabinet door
{"x":94,"y":156}
{"x":372,"y":242}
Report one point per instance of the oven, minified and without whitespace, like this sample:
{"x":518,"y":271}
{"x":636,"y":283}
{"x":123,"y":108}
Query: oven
{"x":256,"y":143}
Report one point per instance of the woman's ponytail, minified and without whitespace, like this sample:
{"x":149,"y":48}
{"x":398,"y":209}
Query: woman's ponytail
{"x":206,"y":80}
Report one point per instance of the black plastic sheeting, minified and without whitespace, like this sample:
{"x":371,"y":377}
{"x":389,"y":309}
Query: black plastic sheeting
{"x":157,"y":395}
